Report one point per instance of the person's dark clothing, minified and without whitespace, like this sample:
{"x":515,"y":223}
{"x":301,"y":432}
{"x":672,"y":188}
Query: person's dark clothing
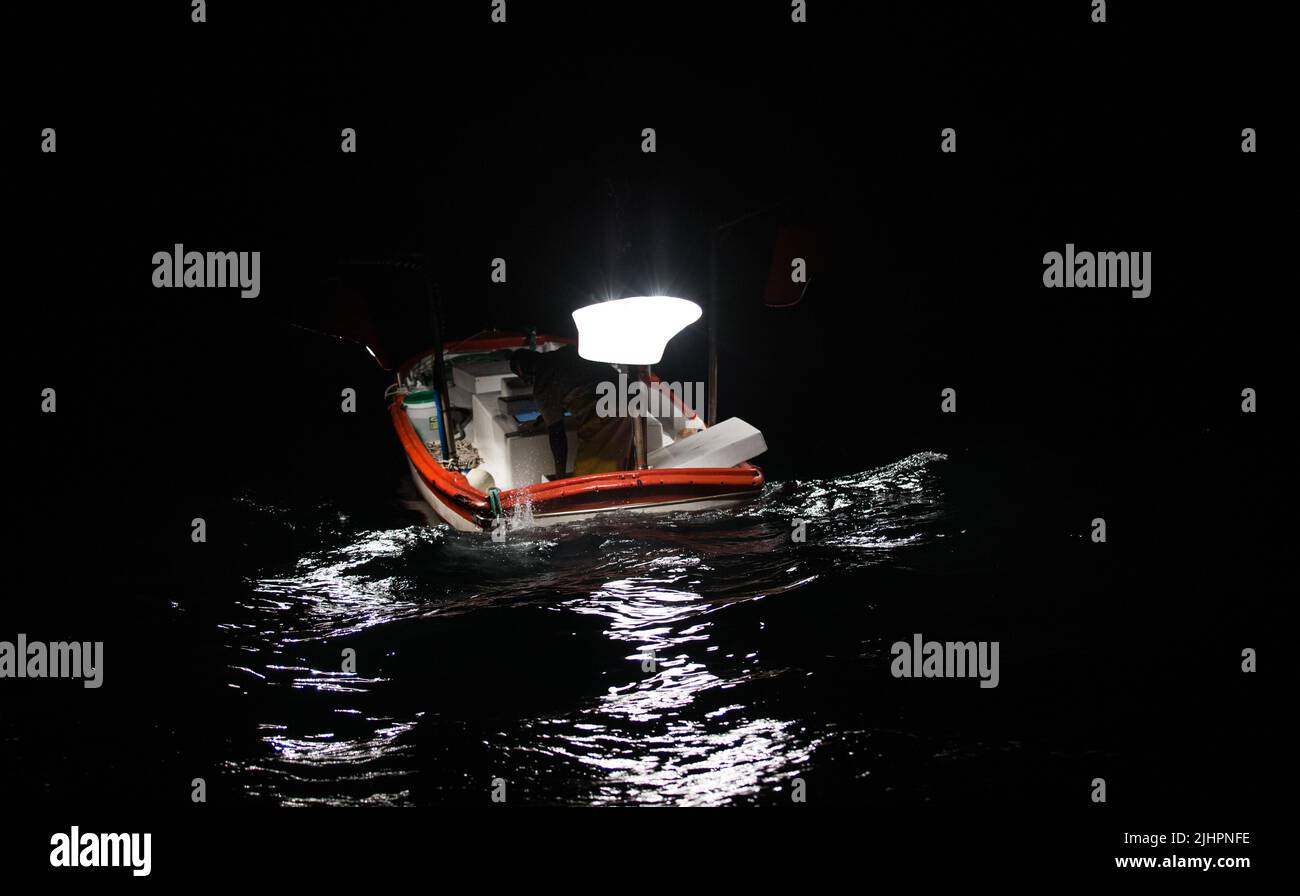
{"x":564,"y":380}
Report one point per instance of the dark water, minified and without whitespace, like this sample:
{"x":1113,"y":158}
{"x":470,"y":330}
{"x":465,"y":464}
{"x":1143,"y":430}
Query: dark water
{"x":631,"y":660}
{"x":529,"y":662}
{"x":711,"y":659}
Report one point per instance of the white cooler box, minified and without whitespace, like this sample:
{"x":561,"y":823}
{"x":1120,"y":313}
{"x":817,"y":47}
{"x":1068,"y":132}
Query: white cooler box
{"x":527,"y":459}
{"x":460,"y":397}
{"x":484,"y":433}
{"x":481,"y":376}
{"x":722,"y":445}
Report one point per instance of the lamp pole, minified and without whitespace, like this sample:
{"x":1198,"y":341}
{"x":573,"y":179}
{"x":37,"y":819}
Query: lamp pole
{"x":640,"y":433}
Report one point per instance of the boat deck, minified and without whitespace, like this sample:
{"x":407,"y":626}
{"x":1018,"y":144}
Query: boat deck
{"x":492,"y":415}
{"x":502,"y":466}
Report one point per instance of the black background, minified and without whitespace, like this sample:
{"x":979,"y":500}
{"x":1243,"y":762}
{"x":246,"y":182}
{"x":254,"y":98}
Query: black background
{"x":523,"y":141}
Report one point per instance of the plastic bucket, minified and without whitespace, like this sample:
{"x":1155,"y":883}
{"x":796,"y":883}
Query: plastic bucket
{"x":422,"y":408}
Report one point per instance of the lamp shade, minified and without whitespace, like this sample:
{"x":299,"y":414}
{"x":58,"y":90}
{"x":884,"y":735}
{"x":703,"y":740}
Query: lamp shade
{"x":632,"y":331}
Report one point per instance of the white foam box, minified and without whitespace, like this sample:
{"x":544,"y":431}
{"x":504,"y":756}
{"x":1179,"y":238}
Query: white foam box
{"x":498,"y":456}
{"x":722,"y":445}
{"x":461,"y":397}
{"x":481,"y":376}
{"x":487,"y":437}
{"x":529,"y":459}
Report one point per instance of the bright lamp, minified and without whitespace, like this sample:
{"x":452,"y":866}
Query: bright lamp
{"x":632,"y":331}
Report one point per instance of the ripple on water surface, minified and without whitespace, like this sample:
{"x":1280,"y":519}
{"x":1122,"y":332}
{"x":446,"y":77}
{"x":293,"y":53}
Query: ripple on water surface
{"x":637,"y":642}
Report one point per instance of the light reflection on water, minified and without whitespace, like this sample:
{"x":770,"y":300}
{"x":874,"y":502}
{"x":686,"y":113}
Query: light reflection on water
{"x":676,"y":726}
{"x":675,"y":760}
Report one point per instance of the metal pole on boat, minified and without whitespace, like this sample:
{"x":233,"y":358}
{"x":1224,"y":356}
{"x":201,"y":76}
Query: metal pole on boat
{"x":711,"y":324}
{"x":640,"y":432}
{"x":439,"y":368}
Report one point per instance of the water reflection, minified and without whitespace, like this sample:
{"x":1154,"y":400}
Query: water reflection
{"x":671,"y":758}
{"x":678,"y":723}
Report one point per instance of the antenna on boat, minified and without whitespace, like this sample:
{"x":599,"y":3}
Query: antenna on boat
{"x":633,"y":332}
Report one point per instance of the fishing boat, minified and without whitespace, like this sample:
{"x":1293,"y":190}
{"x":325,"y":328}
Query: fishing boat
{"x":463,"y":420}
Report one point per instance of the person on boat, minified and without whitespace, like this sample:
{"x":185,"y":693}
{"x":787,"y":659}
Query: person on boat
{"x":563,"y":380}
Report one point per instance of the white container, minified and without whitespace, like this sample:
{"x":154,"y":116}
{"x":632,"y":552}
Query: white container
{"x":461,"y":397}
{"x":482,"y":428}
{"x":528,"y":458}
{"x":481,"y":376}
{"x":422,"y":408}
{"x":724,"y":444}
